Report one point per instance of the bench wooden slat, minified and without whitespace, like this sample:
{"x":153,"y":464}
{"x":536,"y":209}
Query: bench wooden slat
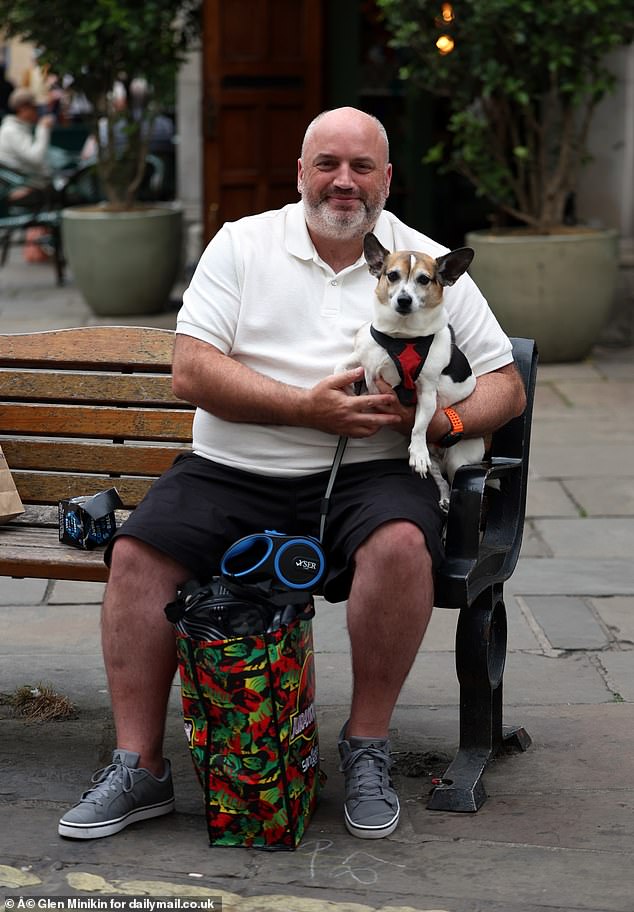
{"x":38,"y":554}
{"x":71,"y":386}
{"x":43,"y":488}
{"x":68,"y":401}
{"x":97,"y":421}
{"x":91,"y":348}
{"x":46,"y":516}
{"x":95,"y":456}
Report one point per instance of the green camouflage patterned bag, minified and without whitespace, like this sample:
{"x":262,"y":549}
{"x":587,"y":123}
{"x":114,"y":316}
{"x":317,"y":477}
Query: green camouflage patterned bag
{"x":249,"y":715}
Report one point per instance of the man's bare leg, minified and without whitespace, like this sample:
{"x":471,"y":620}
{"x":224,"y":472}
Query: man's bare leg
{"x":139,"y":646}
{"x":389,"y":608}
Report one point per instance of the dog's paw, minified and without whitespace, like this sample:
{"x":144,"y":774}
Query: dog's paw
{"x":419,"y":459}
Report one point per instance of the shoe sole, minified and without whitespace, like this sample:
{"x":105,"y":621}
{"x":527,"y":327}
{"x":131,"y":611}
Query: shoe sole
{"x":110,"y":827}
{"x":366,"y":832}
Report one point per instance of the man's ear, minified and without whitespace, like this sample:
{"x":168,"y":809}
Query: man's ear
{"x":451,"y":266}
{"x":374,"y":253}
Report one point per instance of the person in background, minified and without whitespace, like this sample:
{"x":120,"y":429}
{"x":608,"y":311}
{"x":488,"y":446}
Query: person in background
{"x":25,"y":136}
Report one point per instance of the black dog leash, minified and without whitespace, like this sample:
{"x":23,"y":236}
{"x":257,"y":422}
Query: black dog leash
{"x":325,"y":501}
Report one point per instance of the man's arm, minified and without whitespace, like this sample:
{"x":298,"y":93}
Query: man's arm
{"x":219,"y":384}
{"x":499,"y":396}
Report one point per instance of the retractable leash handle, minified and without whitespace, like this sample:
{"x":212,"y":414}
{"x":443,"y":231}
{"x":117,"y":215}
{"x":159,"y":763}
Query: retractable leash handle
{"x":297,"y":562}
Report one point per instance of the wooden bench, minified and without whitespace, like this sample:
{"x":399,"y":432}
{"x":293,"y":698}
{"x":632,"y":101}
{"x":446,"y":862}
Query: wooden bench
{"x":86,"y":409}
{"x":82,"y":410}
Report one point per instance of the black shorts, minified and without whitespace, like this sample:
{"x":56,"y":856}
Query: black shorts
{"x":198,"y":508}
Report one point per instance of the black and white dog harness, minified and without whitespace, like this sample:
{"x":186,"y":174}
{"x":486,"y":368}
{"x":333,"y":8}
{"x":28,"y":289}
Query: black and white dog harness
{"x":409,"y":356}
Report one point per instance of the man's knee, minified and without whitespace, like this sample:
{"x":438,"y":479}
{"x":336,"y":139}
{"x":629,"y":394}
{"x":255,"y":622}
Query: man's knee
{"x":395,"y":544}
{"x":132,"y":559}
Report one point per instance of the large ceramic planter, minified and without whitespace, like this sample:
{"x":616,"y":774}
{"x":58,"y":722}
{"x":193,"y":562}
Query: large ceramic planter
{"x":123,"y":262}
{"x":557,"y":289}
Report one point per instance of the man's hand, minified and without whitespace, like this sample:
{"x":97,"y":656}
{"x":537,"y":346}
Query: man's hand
{"x":331,"y":408}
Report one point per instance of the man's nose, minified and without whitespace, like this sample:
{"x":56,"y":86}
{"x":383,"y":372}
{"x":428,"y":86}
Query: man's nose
{"x":344,"y":177}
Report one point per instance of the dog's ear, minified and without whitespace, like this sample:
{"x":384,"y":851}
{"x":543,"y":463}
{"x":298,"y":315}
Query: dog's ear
{"x":450,"y":266}
{"x":374,"y":253}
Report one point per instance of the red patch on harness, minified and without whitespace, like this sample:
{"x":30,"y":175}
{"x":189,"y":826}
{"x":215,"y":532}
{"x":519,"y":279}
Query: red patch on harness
{"x":410,"y":361}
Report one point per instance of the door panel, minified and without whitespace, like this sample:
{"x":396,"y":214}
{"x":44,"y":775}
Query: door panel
{"x":261,"y":87}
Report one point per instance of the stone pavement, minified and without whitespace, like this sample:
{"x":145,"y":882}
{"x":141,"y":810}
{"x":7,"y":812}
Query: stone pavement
{"x":557,"y":832}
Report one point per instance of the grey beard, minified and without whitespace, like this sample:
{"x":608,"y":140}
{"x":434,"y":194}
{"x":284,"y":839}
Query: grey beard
{"x":342,"y":226}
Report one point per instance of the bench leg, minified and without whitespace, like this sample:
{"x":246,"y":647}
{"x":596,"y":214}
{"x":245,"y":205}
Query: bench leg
{"x":5,"y":243}
{"x":480,"y":659}
{"x":60,"y":261}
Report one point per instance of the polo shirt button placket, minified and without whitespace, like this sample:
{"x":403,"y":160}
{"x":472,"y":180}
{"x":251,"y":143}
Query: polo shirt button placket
{"x":331,"y":304}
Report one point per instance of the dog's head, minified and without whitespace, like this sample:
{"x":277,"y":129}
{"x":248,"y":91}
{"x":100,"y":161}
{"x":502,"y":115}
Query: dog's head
{"x":408,"y":280}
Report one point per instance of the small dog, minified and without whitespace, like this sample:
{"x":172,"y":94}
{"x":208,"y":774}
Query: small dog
{"x":411,"y":345}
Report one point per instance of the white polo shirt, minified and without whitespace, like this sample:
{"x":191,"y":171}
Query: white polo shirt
{"x":262,"y":295}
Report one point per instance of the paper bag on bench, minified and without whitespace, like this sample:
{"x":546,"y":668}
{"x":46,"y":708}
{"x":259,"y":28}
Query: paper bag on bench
{"x":10,"y":503}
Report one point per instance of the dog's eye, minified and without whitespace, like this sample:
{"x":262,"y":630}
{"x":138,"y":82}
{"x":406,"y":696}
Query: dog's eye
{"x":392,"y":276}
{"x":423,"y":279}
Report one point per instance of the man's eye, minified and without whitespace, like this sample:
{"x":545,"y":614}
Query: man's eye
{"x":392,"y":276}
{"x":423,"y":280}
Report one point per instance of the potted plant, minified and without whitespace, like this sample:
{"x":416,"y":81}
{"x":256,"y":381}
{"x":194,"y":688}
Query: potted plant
{"x":521,"y":81}
{"x":103,"y":44}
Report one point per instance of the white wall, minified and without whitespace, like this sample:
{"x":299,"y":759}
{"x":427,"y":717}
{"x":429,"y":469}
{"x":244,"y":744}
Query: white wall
{"x":189,"y":152}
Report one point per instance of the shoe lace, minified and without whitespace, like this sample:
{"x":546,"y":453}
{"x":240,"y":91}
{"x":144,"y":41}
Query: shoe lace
{"x":111,"y":778}
{"x":367,"y":772}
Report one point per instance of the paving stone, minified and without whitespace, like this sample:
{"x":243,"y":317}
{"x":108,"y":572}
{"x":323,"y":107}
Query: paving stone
{"x":585,"y":537}
{"x":548,"y":401}
{"x":22,"y":591}
{"x":567,"y":621}
{"x":618,"y":615}
{"x":564,"y":576}
{"x":533,"y":545}
{"x":620,"y":673}
{"x":607,"y":397}
{"x":576,"y":428}
{"x":50,"y":629}
{"x":603,"y":496}
{"x":549,"y":498}
{"x":537,"y":680}
{"x":594,"y":460}
{"x":580,"y":370}
{"x":67,"y":592}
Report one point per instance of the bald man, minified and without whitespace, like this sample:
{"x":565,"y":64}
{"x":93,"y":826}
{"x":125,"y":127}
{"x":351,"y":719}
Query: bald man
{"x":272,"y":307}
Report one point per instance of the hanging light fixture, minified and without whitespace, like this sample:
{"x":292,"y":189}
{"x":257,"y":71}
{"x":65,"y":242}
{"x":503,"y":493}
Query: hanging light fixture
{"x":445,"y":44}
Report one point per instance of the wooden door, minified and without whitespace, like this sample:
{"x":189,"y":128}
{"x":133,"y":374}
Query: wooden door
{"x":262,"y":74}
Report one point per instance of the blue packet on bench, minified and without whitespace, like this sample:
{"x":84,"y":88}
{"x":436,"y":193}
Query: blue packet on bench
{"x":88,"y":522}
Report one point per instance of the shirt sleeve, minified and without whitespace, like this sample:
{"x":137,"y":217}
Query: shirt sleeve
{"x":478,"y":332}
{"x":211,"y":303}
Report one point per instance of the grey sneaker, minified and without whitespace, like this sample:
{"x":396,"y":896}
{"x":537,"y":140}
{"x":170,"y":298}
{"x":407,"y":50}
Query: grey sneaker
{"x":371,"y":805}
{"x":122,"y":794}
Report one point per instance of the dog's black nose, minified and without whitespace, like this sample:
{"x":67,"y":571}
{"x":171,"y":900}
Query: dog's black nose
{"x":403,"y":303}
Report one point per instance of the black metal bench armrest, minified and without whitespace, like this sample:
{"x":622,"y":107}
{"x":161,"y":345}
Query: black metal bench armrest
{"x":486,"y":510}
{"x":468,"y":508}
